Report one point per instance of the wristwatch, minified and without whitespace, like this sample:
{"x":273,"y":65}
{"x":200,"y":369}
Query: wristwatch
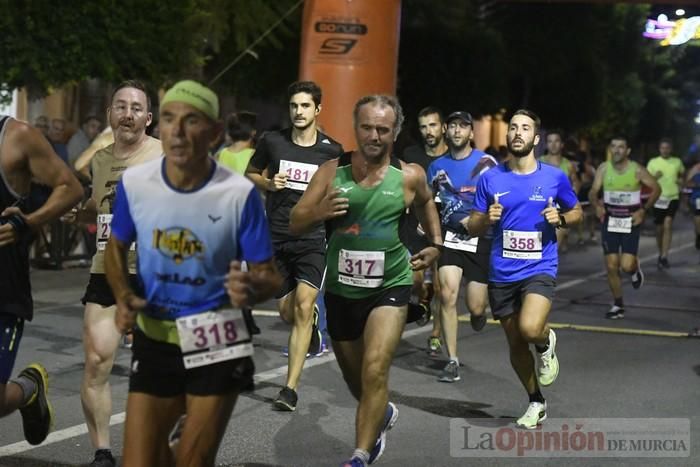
{"x":562,"y":221}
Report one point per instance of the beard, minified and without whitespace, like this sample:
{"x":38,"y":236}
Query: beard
{"x":457,"y":147}
{"x":433,"y":142}
{"x":522,"y":152}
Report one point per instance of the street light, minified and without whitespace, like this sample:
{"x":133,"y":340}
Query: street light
{"x":680,"y":12}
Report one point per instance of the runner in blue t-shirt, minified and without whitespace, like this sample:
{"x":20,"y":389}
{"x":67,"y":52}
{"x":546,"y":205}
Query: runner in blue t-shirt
{"x":453,"y":178}
{"x":517,"y":200}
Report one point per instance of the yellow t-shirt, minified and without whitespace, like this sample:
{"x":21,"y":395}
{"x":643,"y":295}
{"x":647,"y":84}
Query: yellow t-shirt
{"x":236,"y":161}
{"x":671,"y":170}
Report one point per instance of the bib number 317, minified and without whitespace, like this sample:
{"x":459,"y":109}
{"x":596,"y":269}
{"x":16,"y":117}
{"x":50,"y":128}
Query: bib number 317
{"x":361,"y":268}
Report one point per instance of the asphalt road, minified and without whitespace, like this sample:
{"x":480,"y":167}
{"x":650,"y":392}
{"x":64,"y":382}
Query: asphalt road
{"x":613,"y":373}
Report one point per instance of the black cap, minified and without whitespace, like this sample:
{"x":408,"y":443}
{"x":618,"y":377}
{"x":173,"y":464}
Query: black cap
{"x":460,"y":115}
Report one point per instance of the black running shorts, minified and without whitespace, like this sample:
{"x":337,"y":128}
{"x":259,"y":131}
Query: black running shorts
{"x":157,"y":369}
{"x":615,"y":243}
{"x":98,"y":290}
{"x":507,"y":298}
{"x":300,"y":261}
{"x":661,"y":214}
{"x":475,"y":266}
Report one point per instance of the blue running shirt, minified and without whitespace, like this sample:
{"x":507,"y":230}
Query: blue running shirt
{"x":524,"y":243}
{"x":454,"y":182}
{"x":186,"y":239}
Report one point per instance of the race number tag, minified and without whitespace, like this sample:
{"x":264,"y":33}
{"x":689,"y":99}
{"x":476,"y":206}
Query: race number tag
{"x":620,"y":224}
{"x":697,"y":203}
{"x":213,"y":336}
{"x":662,"y":203}
{"x":298,"y":174}
{"x":522,"y":245}
{"x":104,"y":230}
{"x":461,"y":242}
{"x":361,"y":268}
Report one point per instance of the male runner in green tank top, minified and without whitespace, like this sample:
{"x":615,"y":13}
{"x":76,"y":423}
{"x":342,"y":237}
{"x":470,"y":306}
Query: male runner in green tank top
{"x":361,"y":196}
{"x":621,"y":214}
{"x":555,"y":157}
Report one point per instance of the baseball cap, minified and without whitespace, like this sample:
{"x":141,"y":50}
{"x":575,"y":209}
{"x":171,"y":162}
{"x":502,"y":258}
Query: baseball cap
{"x":460,"y":115}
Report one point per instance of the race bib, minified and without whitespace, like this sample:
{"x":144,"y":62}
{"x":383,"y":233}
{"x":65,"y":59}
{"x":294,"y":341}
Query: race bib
{"x":522,"y":245}
{"x":622,"y":198}
{"x":662,"y":203}
{"x":620,"y":224}
{"x":298,"y":174}
{"x":461,"y":242}
{"x":213,"y":336}
{"x":361,"y":268}
{"x":697,"y":203}
{"x":104,"y":230}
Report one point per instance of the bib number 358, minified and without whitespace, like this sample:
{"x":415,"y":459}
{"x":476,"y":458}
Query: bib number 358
{"x":522,"y":245}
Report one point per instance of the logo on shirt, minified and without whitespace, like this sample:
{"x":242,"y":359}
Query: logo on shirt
{"x":537,"y":194}
{"x":214,"y":219}
{"x":345,"y":189}
{"x":178,"y":244}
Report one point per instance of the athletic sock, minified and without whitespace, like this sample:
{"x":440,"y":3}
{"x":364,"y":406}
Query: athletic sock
{"x":619,"y":302}
{"x":536,"y":396}
{"x":28,"y":388}
{"x":542,"y":348}
{"x":455,"y":359}
{"x":361,"y":454}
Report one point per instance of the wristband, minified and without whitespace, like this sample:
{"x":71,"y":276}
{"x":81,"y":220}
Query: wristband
{"x":562,"y":220}
{"x":439,"y":248}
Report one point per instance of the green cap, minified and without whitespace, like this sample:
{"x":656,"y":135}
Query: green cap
{"x":195,"y":94}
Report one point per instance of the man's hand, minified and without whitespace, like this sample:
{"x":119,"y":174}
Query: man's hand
{"x":600,"y":212}
{"x":71,"y":217}
{"x":13,"y":224}
{"x":239,"y":286}
{"x":332,"y":206}
{"x":495,"y":210}
{"x":278,"y":182}
{"x":551,"y":213}
{"x":638,"y":216}
{"x":127,"y":308}
{"x":424,"y":258}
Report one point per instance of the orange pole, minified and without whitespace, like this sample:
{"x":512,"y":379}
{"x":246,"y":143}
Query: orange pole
{"x":350,"y":48}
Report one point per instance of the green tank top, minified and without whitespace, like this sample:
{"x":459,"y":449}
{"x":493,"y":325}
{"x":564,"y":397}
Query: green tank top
{"x":564,"y":165}
{"x":621,"y":191}
{"x":364,"y":254}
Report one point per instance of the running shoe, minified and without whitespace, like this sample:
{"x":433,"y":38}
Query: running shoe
{"x":662,"y":263}
{"x":354,"y":462}
{"x":450,"y":373}
{"x":616,"y":312}
{"x":536,"y":412}
{"x":316,"y":343}
{"x":37,"y":413}
{"x":434,"y":346}
{"x":549,"y":363}
{"x":286,"y":400}
{"x":176,"y":433}
{"x":638,"y":277}
{"x":477,"y":321}
{"x":103,"y":458}
{"x":392,"y":414}
{"x":426,"y":314}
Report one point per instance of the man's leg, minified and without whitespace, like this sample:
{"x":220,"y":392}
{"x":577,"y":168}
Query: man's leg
{"x":520,"y":356}
{"x":100,"y":343}
{"x":12,"y":395}
{"x":612,"y":266}
{"x":450,"y":281}
{"x":11,"y":398}
{"x":300,"y":336}
{"x":667,"y":236}
{"x":207,"y":419}
{"x":477,"y":298}
{"x":381,"y":337}
{"x":149,"y":420}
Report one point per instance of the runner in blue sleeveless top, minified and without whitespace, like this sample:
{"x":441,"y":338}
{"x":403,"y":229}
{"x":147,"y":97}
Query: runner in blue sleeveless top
{"x":517,"y":199}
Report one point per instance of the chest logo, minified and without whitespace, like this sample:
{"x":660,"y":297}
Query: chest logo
{"x":178,"y":244}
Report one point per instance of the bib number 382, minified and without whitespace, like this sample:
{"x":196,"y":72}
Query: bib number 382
{"x":361,"y":268}
{"x":213,"y":336}
{"x":619,"y":224}
{"x":522,"y":245}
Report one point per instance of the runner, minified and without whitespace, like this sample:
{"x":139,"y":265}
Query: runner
{"x":622,"y":216}
{"x":425,"y":283}
{"x":517,"y":200}
{"x":196,"y":221}
{"x":362,"y":197}
{"x":129,"y":115}
{"x":556,"y":158}
{"x":668,"y":171}
{"x":292,"y":156}
{"x":693,"y":183}
{"x":25,"y":156}
{"x":453,"y":179}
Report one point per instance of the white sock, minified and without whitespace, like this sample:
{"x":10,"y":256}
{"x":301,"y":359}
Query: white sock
{"x":361,"y":454}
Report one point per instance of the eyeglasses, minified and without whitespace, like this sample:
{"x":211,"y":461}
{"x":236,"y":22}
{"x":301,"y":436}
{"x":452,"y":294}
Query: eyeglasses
{"x":121,"y":109}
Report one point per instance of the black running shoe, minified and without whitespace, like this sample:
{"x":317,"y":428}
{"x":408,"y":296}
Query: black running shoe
{"x":286,"y":400}
{"x":477,"y":322}
{"x":316,"y":342}
{"x":37,"y":414}
{"x":427,"y":314}
{"x":103,"y":458}
{"x":638,"y":278}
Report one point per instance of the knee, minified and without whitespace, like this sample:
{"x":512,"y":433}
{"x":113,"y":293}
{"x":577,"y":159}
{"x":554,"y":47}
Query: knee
{"x":531,"y":333}
{"x":477,"y":305}
{"x":375,"y":374}
{"x":97,"y":361}
{"x":448,"y":296}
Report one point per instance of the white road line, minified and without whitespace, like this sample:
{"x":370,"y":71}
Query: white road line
{"x":116,"y":419}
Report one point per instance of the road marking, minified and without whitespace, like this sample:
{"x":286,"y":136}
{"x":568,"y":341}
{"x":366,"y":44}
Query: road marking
{"x":118,"y":418}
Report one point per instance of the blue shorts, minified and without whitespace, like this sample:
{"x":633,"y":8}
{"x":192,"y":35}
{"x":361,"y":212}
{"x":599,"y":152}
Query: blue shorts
{"x":11,"y":328}
{"x":615,"y":243}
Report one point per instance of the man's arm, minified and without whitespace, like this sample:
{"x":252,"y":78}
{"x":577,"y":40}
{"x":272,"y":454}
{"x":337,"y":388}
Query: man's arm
{"x":689,"y":183}
{"x":423,"y":203}
{"x":260,"y":283}
{"x":48,"y":169}
{"x":318,"y":203}
{"x":258,"y":164}
{"x":478,"y":223}
{"x":645,"y":178}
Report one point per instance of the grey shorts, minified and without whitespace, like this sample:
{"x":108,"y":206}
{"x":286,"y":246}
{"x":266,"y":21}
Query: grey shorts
{"x":506,"y":298}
